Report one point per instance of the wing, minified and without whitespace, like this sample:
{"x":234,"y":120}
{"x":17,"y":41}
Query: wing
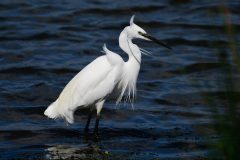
{"x":92,"y":83}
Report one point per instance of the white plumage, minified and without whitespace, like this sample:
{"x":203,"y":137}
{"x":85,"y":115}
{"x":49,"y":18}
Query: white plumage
{"x":107,"y":73}
{"x":95,"y":82}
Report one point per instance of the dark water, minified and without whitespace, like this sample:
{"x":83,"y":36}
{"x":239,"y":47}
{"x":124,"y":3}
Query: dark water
{"x":43,"y":44}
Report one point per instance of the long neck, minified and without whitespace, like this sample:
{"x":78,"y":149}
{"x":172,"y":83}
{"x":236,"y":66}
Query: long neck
{"x":131,"y":67}
{"x":125,"y":43}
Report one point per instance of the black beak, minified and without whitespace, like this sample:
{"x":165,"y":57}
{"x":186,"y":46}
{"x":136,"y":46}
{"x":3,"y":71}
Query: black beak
{"x":155,"y":40}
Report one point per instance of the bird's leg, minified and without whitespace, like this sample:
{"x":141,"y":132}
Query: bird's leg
{"x":99,"y":106}
{"x":96,"y":124}
{"x":89,"y":120}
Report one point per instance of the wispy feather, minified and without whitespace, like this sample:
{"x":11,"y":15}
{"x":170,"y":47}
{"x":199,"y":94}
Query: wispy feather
{"x":145,"y":52}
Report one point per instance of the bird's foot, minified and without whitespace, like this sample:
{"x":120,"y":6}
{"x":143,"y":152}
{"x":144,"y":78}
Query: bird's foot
{"x":96,"y":135}
{"x":86,"y":130}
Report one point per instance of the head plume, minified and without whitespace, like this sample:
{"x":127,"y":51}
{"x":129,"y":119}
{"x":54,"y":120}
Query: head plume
{"x":131,"y":20}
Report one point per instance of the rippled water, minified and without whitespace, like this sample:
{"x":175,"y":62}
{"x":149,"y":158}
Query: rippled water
{"x":43,"y":44}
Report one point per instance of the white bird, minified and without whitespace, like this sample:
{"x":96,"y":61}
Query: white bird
{"x":106,"y":74}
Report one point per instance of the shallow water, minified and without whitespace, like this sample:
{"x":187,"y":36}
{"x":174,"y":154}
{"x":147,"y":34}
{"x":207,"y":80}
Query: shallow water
{"x":43,"y":44}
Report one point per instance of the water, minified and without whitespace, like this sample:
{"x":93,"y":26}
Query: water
{"x":43,"y":44}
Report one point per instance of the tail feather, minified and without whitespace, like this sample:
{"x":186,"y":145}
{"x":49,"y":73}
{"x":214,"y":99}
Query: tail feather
{"x":53,"y":112}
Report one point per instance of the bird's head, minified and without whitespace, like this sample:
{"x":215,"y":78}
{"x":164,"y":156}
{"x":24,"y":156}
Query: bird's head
{"x":134,"y":31}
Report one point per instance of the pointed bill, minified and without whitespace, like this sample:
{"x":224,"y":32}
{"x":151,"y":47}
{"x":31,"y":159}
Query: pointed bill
{"x":154,"y":40}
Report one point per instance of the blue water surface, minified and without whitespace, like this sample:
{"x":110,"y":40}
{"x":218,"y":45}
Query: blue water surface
{"x":43,"y":44}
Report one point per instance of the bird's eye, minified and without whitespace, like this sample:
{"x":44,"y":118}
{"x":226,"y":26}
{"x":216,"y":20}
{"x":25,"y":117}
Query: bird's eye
{"x":140,"y":33}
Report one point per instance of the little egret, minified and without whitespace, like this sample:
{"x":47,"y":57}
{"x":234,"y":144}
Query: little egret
{"x":106,"y":74}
